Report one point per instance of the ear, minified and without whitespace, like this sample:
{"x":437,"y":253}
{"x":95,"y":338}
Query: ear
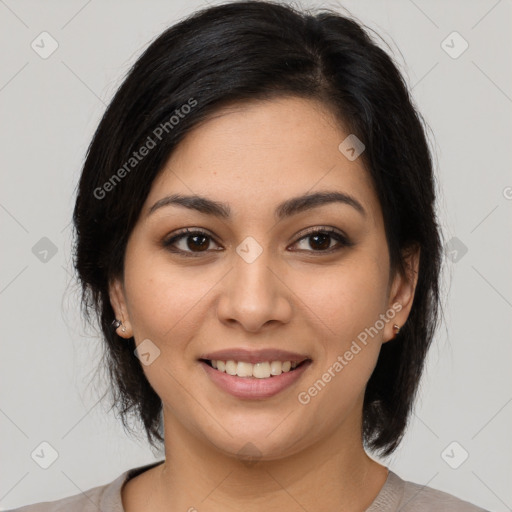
{"x":118,"y":302}
{"x":402,"y":290}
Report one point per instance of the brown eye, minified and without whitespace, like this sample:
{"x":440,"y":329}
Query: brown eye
{"x":320,"y":240}
{"x":199,"y":242}
{"x":189,"y":242}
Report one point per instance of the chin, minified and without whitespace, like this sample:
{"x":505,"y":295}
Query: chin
{"x":253,"y":442}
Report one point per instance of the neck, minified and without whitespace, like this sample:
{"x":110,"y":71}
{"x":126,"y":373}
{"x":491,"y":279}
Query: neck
{"x":333,"y":474}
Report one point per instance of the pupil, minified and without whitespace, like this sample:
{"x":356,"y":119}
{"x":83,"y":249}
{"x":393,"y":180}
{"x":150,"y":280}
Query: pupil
{"x":324,"y":241}
{"x":195,"y":245}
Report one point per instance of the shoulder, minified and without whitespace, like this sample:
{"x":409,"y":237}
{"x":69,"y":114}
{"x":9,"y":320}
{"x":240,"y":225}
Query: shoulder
{"x":106,"y":498}
{"x":420,"y":498}
{"x":88,"y":501}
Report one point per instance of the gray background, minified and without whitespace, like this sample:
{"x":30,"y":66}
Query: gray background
{"x":49,"y":110}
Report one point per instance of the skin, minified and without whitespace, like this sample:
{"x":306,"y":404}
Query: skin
{"x":295,"y":297}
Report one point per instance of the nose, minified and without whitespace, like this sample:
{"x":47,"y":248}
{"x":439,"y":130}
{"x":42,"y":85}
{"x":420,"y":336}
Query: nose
{"x":254,"y":295}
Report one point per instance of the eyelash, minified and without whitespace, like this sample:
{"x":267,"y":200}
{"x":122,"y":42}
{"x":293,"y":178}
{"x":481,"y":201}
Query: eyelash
{"x":339,"y":237}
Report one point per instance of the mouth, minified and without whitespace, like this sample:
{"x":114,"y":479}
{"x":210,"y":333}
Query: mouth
{"x":254,"y":375}
{"x":259,"y":370}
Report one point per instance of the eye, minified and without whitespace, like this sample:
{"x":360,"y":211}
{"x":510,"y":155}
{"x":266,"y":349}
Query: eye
{"x":193,"y":242}
{"x":320,"y":240}
{"x":189,"y":241}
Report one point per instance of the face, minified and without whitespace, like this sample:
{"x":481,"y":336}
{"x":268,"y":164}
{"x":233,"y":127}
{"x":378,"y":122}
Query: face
{"x":261,"y":277}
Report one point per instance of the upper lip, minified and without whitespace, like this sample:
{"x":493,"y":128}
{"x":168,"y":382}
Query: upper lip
{"x":254,"y":356}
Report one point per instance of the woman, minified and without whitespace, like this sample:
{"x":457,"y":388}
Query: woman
{"x":256,"y":231}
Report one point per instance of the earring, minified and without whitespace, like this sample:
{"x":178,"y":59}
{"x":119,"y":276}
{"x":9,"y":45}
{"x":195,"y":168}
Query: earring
{"x":117,"y":323}
{"x":396,"y":328}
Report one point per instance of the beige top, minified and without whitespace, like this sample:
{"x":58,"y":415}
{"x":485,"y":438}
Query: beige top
{"x":395,"y":495}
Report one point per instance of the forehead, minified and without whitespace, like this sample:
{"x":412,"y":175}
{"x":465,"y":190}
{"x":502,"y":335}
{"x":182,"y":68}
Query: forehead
{"x":255,"y":155}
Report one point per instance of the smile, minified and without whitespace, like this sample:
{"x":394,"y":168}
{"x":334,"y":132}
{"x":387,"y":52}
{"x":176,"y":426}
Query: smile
{"x":254,"y":381}
{"x":261,"y":370}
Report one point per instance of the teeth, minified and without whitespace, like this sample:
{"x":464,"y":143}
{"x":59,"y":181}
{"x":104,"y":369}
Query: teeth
{"x":276,"y":368}
{"x":244,"y":369}
{"x":262,"y":370}
{"x":231,"y":367}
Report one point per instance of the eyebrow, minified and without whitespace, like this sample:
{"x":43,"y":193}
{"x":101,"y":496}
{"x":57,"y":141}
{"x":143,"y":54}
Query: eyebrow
{"x":285,"y":209}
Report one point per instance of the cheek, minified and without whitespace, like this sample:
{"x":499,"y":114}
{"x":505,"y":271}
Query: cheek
{"x":344,"y":299}
{"x":166,"y":301}
{"x":345,"y":302}
{"x":348,"y":348}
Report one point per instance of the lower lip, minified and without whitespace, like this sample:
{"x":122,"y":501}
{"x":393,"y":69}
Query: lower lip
{"x":251,"y":387}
